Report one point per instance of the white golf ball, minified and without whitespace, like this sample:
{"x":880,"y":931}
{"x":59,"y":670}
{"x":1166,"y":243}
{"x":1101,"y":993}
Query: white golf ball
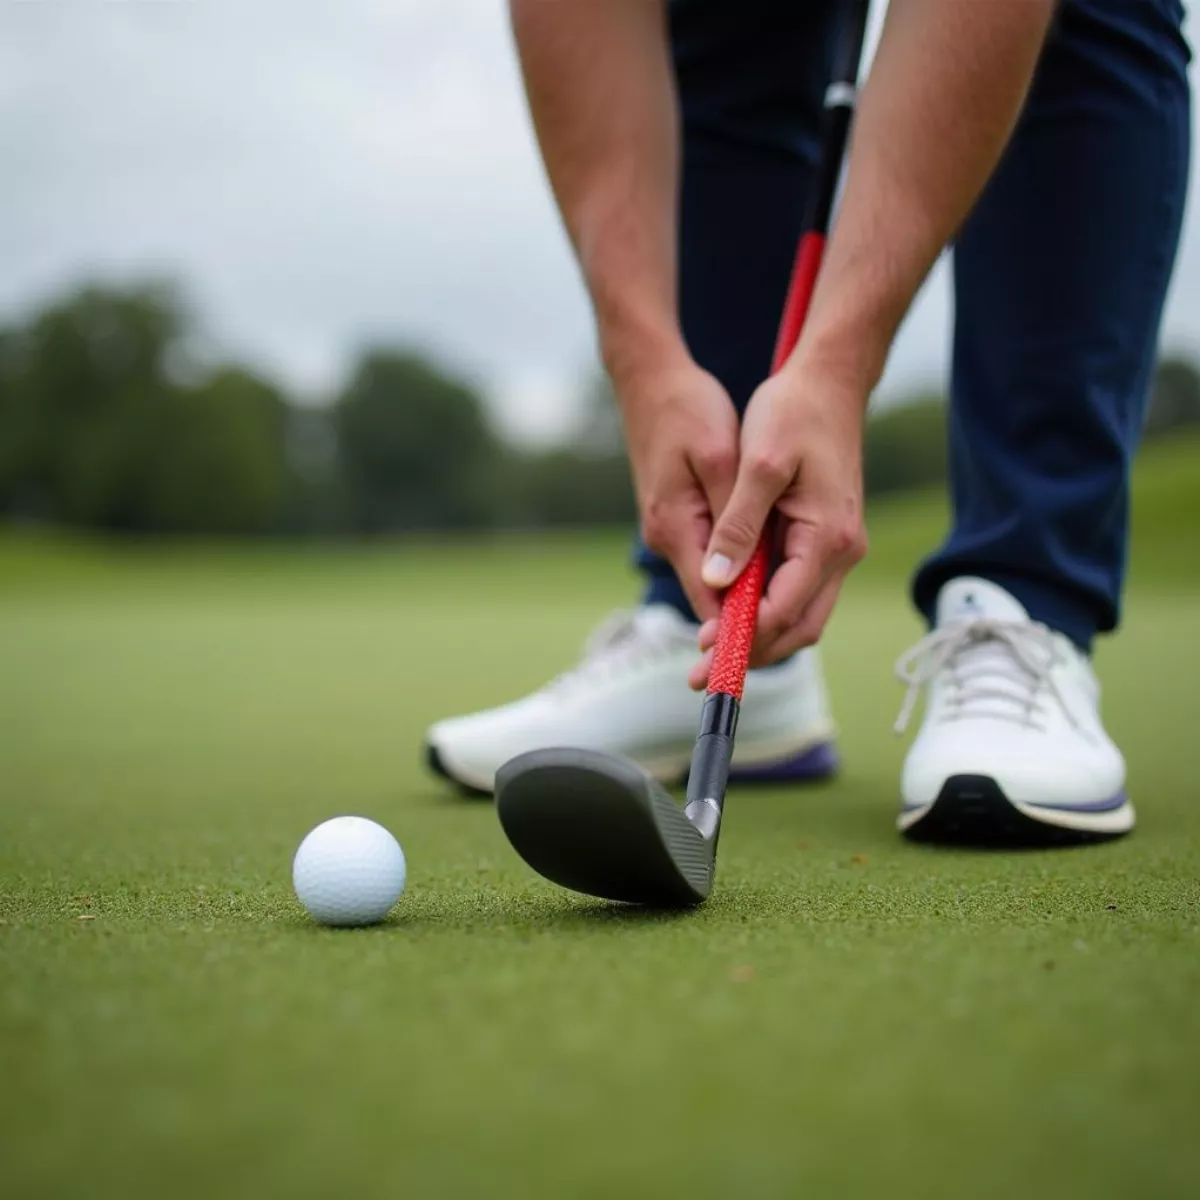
{"x":349,"y":871}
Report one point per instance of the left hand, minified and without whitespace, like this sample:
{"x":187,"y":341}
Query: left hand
{"x":801,"y":458}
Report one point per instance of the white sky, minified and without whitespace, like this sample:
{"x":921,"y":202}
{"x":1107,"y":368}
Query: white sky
{"x":318,"y":174}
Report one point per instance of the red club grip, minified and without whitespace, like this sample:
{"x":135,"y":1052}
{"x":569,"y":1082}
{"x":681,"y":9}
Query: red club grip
{"x":735,"y":636}
{"x":804,"y":279}
{"x":739,"y":608}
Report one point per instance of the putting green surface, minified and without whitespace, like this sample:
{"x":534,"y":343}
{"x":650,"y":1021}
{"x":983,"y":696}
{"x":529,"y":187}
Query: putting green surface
{"x":849,"y":1015}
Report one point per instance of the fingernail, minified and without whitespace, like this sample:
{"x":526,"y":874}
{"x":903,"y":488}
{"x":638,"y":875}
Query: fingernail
{"x":718,"y":570}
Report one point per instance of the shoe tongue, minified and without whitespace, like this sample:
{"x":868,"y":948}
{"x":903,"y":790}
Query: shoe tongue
{"x":651,"y":625}
{"x":661,"y":621}
{"x":972,"y":599}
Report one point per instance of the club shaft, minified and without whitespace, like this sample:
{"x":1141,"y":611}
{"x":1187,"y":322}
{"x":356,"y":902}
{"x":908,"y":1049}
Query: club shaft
{"x":711,"y":759}
{"x":713,"y":753}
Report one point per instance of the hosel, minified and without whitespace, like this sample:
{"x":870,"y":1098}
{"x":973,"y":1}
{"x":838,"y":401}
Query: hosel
{"x":711,"y":760}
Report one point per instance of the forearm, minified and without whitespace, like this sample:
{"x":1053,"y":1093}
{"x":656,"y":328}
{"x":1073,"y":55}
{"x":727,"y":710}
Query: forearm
{"x":600,"y":90}
{"x":944,"y":94}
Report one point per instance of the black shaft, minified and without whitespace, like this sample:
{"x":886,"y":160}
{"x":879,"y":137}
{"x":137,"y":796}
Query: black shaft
{"x":711,"y":759}
{"x":839,"y":113}
{"x":713,"y":752}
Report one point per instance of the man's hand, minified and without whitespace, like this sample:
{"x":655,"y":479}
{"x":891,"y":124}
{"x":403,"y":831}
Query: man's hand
{"x":682,"y":432}
{"x":801,"y":457}
{"x":602,"y":93}
{"x":944,"y":94}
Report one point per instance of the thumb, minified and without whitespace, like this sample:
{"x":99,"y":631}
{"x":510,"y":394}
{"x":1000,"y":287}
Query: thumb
{"x":738,"y":529}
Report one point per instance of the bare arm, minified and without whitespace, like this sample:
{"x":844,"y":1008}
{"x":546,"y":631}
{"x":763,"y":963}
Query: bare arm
{"x":601,"y":93}
{"x":943,"y":98}
{"x":944,"y":94}
{"x":601,"y":90}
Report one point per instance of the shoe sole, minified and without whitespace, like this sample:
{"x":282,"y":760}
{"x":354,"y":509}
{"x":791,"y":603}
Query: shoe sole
{"x":437,"y":765}
{"x":814,"y":763}
{"x":973,"y":811}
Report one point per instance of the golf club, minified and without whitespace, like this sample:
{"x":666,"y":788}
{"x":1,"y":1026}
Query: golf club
{"x":598,"y":823}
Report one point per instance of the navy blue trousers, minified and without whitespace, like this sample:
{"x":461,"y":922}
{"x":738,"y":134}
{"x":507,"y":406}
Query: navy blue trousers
{"x":1060,"y":275}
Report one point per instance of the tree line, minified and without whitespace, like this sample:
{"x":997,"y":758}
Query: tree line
{"x":110,"y":421}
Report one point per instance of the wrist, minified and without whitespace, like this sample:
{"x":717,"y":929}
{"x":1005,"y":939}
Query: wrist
{"x":635,"y":352}
{"x":836,"y":368}
{"x":861,"y":297}
{"x":848,"y":355}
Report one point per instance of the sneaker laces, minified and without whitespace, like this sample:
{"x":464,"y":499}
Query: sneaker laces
{"x":996,"y":669}
{"x":621,"y":641}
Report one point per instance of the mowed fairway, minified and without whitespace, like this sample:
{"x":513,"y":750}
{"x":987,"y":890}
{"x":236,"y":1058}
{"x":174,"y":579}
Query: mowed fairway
{"x":848,"y":1016}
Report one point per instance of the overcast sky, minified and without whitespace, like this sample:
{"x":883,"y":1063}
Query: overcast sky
{"x":321,"y":173}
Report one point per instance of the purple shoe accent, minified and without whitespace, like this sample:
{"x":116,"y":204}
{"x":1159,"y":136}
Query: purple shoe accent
{"x":972,"y":811}
{"x":1096,"y":806}
{"x":817,"y":762}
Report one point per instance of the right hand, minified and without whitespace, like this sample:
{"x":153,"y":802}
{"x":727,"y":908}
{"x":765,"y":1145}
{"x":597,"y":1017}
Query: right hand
{"x":682,"y":432}
{"x":801,"y":461}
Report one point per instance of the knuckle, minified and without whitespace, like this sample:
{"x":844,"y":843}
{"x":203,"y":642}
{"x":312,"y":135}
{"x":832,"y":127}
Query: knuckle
{"x":656,"y":527}
{"x":772,"y":626}
{"x":847,"y":542}
{"x":716,"y":458}
{"x":798,"y":637}
{"x":770,"y":468}
{"x":807,"y":633}
{"x":738,"y":528}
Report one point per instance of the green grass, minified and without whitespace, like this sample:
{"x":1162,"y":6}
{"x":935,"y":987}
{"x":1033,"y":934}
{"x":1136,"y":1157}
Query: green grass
{"x":849,"y":1015}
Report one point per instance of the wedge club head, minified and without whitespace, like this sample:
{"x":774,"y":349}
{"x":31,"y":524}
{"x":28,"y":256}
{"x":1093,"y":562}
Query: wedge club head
{"x":599,"y":824}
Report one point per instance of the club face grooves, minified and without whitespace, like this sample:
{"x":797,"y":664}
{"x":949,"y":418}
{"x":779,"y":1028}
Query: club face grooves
{"x":598,"y":824}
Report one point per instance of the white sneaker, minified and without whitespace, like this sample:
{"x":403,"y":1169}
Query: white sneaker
{"x":1011,"y":750}
{"x":629,"y":695}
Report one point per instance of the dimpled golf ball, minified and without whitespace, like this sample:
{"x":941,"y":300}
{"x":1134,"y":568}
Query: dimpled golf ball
{"x":349,"y":871}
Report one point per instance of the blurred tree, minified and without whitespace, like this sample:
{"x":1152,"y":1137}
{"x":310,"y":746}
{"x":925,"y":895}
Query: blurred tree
{"x":215,"y":457}
{"x":80,"y":381}
{"x":905,"y":446}
{"x":106,"y":422}
{"x":583,"y":483}
{"x":600,"y":432}
{"x":1174,"y":397}
{"x":415,"y":447}
{"x":315,"y":503}
{"x":567,"y":487}
{"x":101,"y":429}
{"x":16,"y":422}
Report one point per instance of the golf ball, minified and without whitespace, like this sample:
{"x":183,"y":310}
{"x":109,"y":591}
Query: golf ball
{"x":349,"y":871}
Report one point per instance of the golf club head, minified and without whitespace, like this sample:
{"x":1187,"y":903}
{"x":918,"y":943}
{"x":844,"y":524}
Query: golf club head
{"x":599,"y":824}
